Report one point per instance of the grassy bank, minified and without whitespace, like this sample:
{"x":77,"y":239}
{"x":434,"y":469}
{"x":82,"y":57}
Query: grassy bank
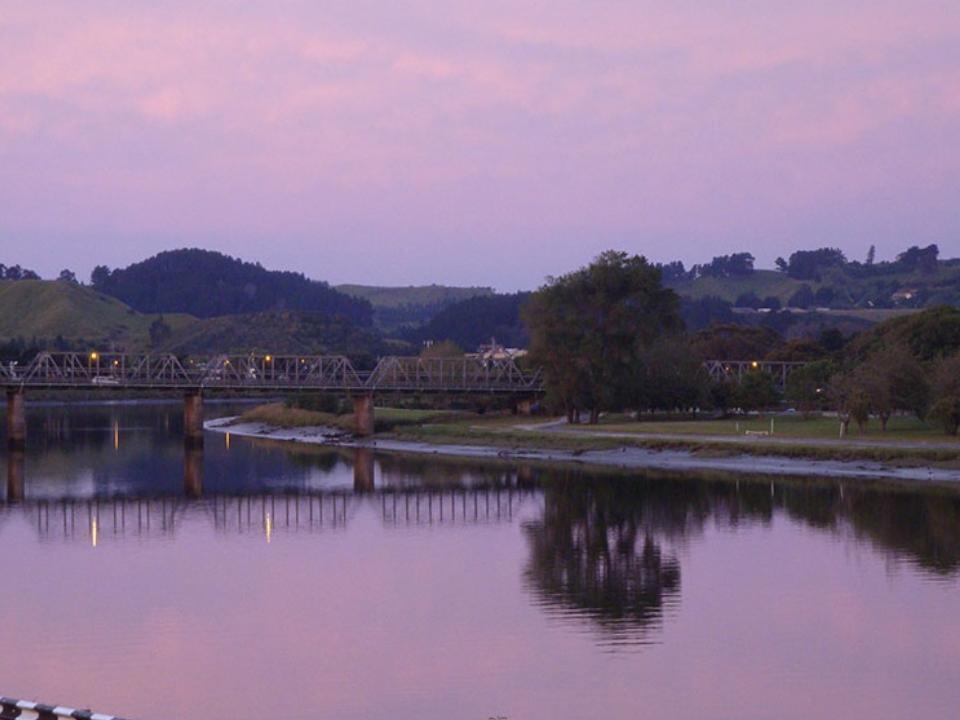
{"x":901,"y":446}
{"x":283,"y":416}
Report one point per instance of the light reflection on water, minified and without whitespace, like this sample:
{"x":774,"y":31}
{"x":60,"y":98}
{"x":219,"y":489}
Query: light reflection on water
{"x":154,"y":580}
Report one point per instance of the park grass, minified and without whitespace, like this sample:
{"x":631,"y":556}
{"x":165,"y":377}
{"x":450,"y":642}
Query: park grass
{"x":899,"y":428}
{"x":502,"y":431}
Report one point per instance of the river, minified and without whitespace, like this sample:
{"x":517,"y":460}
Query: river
{"x":256,"y":580}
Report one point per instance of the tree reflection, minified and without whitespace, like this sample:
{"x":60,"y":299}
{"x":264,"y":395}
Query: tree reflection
{"x":598,"y":553}
{"x":605,"y":548}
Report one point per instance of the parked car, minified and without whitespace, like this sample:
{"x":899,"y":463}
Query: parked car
{"x":105,"y":380}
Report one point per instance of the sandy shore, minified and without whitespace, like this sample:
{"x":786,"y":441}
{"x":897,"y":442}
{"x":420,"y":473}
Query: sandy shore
{"x":625,"y":457}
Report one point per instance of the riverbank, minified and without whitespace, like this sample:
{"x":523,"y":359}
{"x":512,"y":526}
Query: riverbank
{"x":505,"y":441}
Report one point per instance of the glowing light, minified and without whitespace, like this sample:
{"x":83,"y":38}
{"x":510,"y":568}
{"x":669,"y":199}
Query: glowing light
{"x":94,"y":356}
{"x":116,"y":363}
{"x":269,"y":527}
{"x":228,"y":440}
{"x":116,"y":435}
{"x":94,"y":532}
{"x":755,"y":364}
{"x":268,"y":358}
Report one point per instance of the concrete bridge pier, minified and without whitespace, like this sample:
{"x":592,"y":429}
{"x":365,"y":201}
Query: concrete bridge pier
{"x":525,"y":407}
{"x":16,"y":420}
{"x":193,"y":419}
{"x":363,"y":414}
{"x":363,"y":471}
{"x":15,"y":485}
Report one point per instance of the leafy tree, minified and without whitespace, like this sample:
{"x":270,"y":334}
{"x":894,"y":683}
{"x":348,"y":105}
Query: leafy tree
{"x":726,"y":266}
{"x":100,"y":276}
{"x":748,"y":299}
{"x":703,"y":312}
{"x":589,"y":327}
{"x":67,"y":276}
{"x":807,"y":385}
{"x":871,"y":255}
{"x":807,"y":264}
{"x":757,"y":391}
{"x":771,"y":302}
{"x":735,"y":342}
{"x":946,"y":390}
{"x":851,"y":399}
{"x":670,"y":377}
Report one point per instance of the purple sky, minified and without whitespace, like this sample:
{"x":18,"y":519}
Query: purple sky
{"x":462,"y":142}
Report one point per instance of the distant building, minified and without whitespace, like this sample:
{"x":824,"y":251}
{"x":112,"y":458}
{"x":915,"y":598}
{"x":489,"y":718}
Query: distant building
{"x":904,"y":295}
{"x":495,"y":351}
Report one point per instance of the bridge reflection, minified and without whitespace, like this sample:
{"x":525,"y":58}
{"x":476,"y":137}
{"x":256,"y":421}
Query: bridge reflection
{"x":99,"y":520}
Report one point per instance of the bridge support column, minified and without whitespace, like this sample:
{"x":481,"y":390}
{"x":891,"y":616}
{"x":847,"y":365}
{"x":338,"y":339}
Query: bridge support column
{"x":363,"y":415}
{"x":363,"y":471}
{"x":15,"y":463}
{"x":16,"y":420}
{"x":193,"y":419}
{"x":525,"y":407}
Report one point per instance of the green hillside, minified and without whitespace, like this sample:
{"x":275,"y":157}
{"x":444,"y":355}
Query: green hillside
{"x":941,"y":286}
{"x":281,"y":332}
{"x":49,"y":309}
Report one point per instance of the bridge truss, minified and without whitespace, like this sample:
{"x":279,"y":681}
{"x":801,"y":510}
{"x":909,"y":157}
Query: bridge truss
{"x":270,"y":372}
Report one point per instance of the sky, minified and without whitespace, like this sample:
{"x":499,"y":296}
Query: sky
{"x":483,"y":143}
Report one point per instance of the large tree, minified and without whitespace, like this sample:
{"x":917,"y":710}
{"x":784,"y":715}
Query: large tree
{"x":589,"y":328}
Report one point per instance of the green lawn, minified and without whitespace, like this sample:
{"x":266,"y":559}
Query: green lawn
{"x":793,"y":426}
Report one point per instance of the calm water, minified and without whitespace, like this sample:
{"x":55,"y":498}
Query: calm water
{"x":251,"y":582}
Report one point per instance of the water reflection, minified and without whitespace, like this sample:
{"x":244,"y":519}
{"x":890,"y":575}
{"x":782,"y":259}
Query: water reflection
{"x":598,"y":553}
{"x":604,"y":549}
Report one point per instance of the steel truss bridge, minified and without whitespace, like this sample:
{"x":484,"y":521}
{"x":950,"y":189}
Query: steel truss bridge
{"x":270,"y":373}
{"x":735,"y":370}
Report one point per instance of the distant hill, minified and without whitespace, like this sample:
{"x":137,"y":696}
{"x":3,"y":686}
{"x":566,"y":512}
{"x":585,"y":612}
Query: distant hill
{"x":838,"y":286}
{"x":474,"y":321}
{"x":58,"y":315}
{"x":398,"y":308}
{"x":50,"y":309}
{"x":209,"y":284}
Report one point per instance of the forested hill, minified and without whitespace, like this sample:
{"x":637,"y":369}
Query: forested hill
{"x":209,"y":284}
{"x":477,"y":320}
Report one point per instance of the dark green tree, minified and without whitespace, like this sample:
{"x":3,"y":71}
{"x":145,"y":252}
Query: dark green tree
{"x":588,"y":329}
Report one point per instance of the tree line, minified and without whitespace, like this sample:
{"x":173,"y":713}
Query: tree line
{"x":610,"y":338}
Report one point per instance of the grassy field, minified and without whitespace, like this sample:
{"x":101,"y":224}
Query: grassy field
{"x":787,"y":426}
